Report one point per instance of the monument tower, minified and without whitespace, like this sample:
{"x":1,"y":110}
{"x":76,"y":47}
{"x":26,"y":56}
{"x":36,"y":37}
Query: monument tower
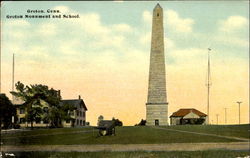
{"x":157,"y":106}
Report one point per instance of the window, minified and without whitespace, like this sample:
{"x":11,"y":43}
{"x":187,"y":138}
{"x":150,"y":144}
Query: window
{"x":67,"y":121}
{"x":71,"y":113}
{"x":77,"y":122}
{"x":77,"y":112}
{"x":22,"y":111}
{"x":83,"y":114}
{"x":80,"y":122}
{"x":157,"y":14}
{"x":22,"y":120}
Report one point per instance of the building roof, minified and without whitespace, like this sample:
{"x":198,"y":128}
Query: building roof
{"x":184,"y":112}
{"x":75,"y":102}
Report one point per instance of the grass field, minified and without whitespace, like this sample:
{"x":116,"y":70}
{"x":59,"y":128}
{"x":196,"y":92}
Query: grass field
{"x":124,"y":135}
{"x":241,"y":131}
{"x":138,"y":154}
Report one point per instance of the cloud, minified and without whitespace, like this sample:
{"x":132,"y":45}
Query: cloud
{"x":91,"y":24}
{"x":71,"y":47}
{"x":147,"y":16}
{"x":89,"y":29}
{"x":101,"y":35}
{"x":188,"y":53}
{"x":145,"y":38}
{"x":178,"y":24}
{"x":232,"y":32}
{"x":188,"y":56}
{"x":47,"y":29}
{"x":19,"y":29}
{"x":17,"y":23}
{"x":38,"y":51}
{"x":235,"y":41}
{"x":122,"y":28}
{"x":233,"y":23}
{"x":169,"y":44}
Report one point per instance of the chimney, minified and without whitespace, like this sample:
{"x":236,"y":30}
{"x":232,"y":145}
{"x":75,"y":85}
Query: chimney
{"x":79,"y":97}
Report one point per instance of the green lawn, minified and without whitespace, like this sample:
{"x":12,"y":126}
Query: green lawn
{"x":38,"y":131}
{"x":241,"y":131}
{"x":137,"y":154}
{"x":124,"y":135}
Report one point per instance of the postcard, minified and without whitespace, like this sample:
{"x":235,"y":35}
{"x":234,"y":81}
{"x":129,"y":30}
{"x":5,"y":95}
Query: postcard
{"x":124,"y":78}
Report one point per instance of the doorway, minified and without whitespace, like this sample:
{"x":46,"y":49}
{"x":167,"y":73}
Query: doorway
{"x":156,"y":122}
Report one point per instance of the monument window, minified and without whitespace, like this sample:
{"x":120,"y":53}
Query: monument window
{"x":157,"y":14}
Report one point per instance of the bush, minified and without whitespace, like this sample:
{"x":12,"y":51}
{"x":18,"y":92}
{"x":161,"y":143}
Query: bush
{"x":199,"y":121}
{"x":142,"y":123}
{"x":117,"y":122}
{"x":16,"y":126}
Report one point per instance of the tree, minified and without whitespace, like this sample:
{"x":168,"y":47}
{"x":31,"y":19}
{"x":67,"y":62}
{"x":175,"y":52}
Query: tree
{"x":117,"y":122}
{"x":33,"y":114}
{"x":34,"y":97}
{"x":7,"y":110}
{"x":142,"y":123}
{"x":66,"y":111}
{"x":59,"y":113}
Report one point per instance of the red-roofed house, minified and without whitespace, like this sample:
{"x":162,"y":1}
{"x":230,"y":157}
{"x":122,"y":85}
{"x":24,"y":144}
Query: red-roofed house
{"x":187,"y":116}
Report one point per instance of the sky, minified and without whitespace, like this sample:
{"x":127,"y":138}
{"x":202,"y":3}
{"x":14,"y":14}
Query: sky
{"x":104,"y":55}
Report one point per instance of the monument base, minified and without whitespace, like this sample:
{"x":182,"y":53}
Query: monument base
{"x":157,"y":114}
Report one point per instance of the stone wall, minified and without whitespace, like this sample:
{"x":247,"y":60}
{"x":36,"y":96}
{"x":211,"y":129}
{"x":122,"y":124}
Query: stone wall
{"x":157,"y":112}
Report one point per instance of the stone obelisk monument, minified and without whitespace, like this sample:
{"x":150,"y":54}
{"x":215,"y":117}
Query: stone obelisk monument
{"x":157,"y":106}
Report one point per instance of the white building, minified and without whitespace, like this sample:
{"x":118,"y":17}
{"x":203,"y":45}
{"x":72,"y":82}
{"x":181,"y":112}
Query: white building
{"x":188,"y":116}
{"x":78,"y":115}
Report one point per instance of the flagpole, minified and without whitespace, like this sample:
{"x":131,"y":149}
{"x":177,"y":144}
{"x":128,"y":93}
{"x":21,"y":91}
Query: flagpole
{"x":13,"y":74}
{"x":208,"y":85}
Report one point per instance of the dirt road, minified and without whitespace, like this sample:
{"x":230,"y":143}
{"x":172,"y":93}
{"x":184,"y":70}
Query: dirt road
{"x":132,"y":147}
